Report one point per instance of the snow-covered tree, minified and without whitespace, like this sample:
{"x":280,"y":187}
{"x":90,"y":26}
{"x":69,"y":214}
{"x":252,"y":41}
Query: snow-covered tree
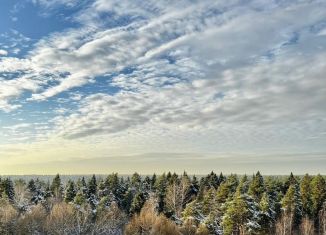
{"x":292,"y":208}
{"x":70,"y":191}
{"x":241,"y":216}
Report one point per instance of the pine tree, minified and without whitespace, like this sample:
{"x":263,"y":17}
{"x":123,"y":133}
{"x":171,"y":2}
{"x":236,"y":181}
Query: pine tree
{"x":241,"y":216}
{"x":70,"y":192}
{"x":256,"y":187}
{"x":56,"y":187}
{"x":1,"y":187}
{"x":102,"y":189}
{"x":112,"y":183}
{"x":243,"y":185}
{"x":160,"y":186}
{"x":227,"y":188}
{"x":136,"y":180}
{"x":292,"y":205}
{"x":193,"y":210}
{"x":208,"y":201}
{"x":82,"y":186}
{"x":318,"y":193}
{"x":80,"y":199}
{"x":305,"y":192}
{"x":137,"y":203}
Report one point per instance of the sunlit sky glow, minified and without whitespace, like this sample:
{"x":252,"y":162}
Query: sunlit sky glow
{"x":150,"y":86}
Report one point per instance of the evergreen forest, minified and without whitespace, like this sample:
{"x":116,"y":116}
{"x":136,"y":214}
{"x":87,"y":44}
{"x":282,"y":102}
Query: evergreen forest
{"x":165,"y":204}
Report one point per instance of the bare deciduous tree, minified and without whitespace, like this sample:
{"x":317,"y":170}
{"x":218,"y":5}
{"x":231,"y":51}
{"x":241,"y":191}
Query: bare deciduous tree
{"x":176,"y":195}
{"x":307,"y":227}
{"x":284,"y":224}
{"x":32,"y":222}
{"x":110,"y":221}
{"x":322,"y":220}
{"x":148,"y":222}
{"x":8,"y":216}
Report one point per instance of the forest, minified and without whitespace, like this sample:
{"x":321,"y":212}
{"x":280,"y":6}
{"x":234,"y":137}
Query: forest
{"x":167,"y":204}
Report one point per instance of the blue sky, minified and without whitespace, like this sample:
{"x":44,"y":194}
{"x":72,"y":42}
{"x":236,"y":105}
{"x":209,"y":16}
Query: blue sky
{"x":233,"y":86}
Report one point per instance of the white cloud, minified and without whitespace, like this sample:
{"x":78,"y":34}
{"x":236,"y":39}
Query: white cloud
{"x":10,"y":89}
{"x":231,"y":72}
{"x":3,"y":52}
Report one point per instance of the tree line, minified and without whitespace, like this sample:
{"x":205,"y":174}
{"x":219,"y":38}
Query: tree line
{"x":165,"y":204}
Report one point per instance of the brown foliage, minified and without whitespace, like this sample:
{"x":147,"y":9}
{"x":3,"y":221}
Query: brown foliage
{"x":322,"y":219}
{"x":148,"y":222}
{"x":284,"y":224}
{"x":32,"y":222}
{"x":8,"y":216}
{"x":307,"y":227}
{"x":164,"y":226}
{"x":66,"y":219}
{"x":202,"y":230}
{"x":189,"y":227}
{"x":110,"y":221}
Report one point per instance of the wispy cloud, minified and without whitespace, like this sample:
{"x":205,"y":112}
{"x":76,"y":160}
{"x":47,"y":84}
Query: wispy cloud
{"x":235,"y":74}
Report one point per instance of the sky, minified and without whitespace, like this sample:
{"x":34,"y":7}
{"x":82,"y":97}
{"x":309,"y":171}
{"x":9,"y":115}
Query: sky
{"x":101,"y":86}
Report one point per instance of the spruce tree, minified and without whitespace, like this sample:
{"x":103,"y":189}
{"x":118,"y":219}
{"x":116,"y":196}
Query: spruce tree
{"x":213,"y":180}
{"x":221,"y":178}
{"x":153,"y":180}
{"x":92,"y":192}
{"x":146,"y":185}
{"x":291,"y":180}
{"x":127,"y":200}
{"x":8,"y":189}
{"x":194,"y":187}
{"x":31,"y":186}
{"x":92,"y":186}
{"x":267,"y":214}
{"x":70,"y":192}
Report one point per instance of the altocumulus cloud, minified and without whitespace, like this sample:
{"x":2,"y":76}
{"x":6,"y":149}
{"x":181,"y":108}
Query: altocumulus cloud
{"x":208,"y":70}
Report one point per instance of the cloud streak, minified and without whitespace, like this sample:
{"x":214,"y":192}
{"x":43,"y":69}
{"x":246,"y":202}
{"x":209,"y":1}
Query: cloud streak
{"x":215,"y":75}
